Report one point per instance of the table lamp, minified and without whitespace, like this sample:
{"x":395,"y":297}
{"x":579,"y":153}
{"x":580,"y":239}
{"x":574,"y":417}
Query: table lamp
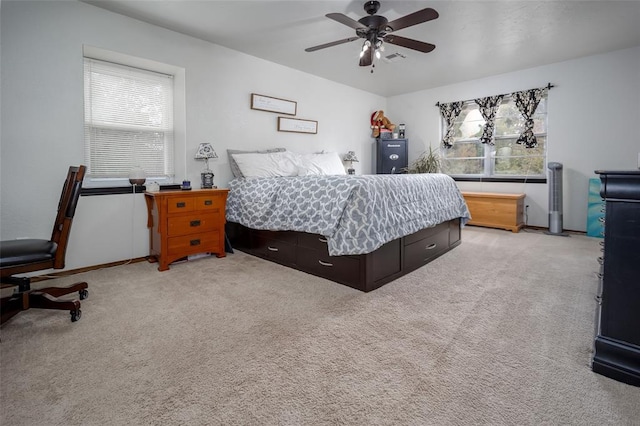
{"x":205,"y":150}
{"x":137,"y":176}
{"x":351,"y":158}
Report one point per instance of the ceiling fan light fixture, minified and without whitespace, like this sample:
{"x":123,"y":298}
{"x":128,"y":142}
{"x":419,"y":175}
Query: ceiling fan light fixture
{"x":376,"y":29}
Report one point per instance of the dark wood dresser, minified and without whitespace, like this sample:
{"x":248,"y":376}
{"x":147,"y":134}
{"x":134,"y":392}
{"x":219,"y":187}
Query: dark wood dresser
{"x":617,"y":342}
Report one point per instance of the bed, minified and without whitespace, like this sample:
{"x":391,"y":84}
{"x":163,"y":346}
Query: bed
{"x":362,"y":231}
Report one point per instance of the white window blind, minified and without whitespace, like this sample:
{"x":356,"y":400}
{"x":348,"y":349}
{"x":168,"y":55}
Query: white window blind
{"x":128,"y":121}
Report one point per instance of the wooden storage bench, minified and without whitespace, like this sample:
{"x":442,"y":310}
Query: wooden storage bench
{"x":504,"y":211}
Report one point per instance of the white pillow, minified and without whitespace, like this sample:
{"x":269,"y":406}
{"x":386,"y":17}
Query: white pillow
{"x":325,"y":163}
{"x":267,"y":165}
{"x":234,"y":166}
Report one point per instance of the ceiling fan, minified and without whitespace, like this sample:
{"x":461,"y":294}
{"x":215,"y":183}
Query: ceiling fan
{"x":376,"y":29}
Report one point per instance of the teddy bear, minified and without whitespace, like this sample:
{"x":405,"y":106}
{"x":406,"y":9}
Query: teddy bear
{"x":378,"y":122}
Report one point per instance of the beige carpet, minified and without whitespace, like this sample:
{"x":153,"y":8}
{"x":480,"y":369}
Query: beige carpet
{"x":498,"y":331}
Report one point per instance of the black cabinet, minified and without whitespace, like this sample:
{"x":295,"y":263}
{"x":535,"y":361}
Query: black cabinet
{"x":391,"y":156}
{"x":617,"y":342}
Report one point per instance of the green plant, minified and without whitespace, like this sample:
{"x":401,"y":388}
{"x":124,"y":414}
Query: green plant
{"x":427,"y":162}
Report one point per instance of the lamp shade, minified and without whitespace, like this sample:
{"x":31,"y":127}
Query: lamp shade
{"x":137,"y":176}
{"x":205,"y":151}
{"x":351,"y":156}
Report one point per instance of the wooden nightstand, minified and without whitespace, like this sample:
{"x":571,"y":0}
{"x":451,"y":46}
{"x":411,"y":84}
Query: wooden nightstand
{"x":182,"y":223}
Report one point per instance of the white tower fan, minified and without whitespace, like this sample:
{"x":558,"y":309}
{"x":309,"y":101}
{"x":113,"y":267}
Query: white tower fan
{"x":555,"y":200}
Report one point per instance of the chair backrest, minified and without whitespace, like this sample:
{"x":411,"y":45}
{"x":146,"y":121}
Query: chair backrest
{"x":66,"y":210}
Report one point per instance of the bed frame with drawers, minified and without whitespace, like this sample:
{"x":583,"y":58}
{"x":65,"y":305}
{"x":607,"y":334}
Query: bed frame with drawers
{"x":365,"y":272}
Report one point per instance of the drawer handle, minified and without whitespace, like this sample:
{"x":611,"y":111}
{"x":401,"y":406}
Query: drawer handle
{"x":600,"y":260}
{"x":208,"y":202}
{"x":194,"y":242}
{"x":322,"y":239}
{"x":431,"y":246}
{"x":272,"y":248}
{"x":181,"y":204}
{"x":194,"y":223}
{"x":325,"y":263}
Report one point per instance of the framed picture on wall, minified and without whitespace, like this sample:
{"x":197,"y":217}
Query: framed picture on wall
{"x":268,"y":103}
{"x":297,"y":125}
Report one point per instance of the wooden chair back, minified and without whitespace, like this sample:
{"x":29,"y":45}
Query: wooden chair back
{"x":66,"y":211}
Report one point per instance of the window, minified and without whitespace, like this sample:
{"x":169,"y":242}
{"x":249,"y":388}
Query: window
{"x":128,"y":122}
{"x":506,"y":160}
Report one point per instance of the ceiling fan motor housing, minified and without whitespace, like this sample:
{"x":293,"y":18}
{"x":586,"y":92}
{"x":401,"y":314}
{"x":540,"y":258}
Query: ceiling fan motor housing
{"x":374,"y":21}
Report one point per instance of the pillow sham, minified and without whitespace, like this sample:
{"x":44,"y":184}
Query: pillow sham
{"x":273,"y":164}
{"x":237,"y":173}
{"x":324,"y":163}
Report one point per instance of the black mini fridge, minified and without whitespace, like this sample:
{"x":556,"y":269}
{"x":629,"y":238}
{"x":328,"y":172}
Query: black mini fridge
{"x":391,"y":156}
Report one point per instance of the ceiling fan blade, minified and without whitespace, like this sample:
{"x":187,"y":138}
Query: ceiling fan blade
{"x":333,"y":43}
{"x":344,"y":19}
{"x":409,"y":43}
{"x":414,"y":18}
{"x":367,"y":58}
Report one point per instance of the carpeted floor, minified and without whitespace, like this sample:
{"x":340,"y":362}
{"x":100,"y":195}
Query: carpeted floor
{"x":498,"y":331}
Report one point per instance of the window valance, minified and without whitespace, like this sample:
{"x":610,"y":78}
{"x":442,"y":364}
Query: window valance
{"x":526,"y":100}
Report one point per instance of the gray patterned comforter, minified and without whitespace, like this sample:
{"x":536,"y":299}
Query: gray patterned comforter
{"x":357,"y":214}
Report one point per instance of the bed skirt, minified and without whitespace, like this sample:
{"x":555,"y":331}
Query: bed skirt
{"x":308,"y":253}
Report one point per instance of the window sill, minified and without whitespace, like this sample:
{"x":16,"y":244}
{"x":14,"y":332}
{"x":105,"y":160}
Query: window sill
{"x":500,"y":179}
{"x":118,"y":190}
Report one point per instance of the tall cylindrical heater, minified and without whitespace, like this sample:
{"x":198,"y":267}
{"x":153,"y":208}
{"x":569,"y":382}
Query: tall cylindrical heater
{"x":555,"y":199}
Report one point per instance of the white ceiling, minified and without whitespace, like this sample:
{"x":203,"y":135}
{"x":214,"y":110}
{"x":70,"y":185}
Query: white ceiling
{"x":473,"y":39}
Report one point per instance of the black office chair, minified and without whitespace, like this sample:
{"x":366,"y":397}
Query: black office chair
{"x":30,"y":255}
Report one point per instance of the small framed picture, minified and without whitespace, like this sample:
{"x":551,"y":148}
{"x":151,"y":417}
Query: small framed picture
{"x":268,"y":103}
{"x":297,"y":125}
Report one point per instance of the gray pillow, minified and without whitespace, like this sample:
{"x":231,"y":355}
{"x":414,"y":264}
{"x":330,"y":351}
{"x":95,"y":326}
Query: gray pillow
{"x":234,"y":166}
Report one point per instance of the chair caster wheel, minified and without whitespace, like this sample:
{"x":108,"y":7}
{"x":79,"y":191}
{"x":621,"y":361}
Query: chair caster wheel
{"x":75,"y":315}
{"x":84,"y":293}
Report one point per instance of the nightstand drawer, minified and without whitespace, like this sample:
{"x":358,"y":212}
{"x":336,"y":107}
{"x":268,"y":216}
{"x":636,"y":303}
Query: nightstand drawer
{"x":189,"y":244}
{"x":209,"y":203}
{"x":180,"y":205}
{"x":192,"y":224}
{"x":421,"y":251}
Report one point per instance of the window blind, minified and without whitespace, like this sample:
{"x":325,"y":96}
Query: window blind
{"x":128,"y":120}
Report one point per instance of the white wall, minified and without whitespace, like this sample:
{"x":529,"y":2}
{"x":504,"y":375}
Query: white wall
{"x":593,"y":123}
{"x":42,"y":112}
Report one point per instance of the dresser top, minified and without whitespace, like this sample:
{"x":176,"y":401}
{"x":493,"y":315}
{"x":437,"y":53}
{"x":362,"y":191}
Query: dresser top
{"x":618,"y":172}
{"x":193,"y":192}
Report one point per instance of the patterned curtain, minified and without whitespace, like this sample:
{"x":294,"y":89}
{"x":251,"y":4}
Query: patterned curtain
{"x":450,"y":112}
{"x":527,"y":102}
{"x":488,"y":109}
